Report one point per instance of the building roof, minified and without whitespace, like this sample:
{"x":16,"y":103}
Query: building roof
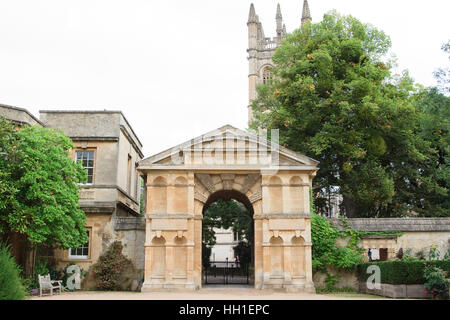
{"x":18,"y":115}
{"x":91,"y":124}
{"x":229,"y":139}
{"x":397,"y":224}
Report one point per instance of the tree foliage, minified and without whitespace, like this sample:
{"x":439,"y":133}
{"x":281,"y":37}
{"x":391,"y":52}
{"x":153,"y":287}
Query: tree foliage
{"x":434,"y":188}
{"x":39,"y":187}
{"x":11,"y":287}
{"x":443,"y":74}
{"x":334,"y":98}
{"x":326,"y":250}
{"x":227,"y":214}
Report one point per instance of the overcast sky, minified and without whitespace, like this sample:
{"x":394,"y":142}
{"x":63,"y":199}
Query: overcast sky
{"x":175,"y":68}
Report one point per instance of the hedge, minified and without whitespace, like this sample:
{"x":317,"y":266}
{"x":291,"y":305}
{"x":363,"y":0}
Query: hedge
{"x":401,"y":271}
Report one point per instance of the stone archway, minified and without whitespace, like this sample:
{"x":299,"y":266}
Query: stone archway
{"x":273,"y":183}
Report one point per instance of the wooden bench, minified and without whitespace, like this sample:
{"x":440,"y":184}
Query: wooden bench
{"x":46,"y":284}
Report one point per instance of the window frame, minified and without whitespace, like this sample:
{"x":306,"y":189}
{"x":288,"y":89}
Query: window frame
{"x":94,"y":163}
{"x":82,"y":257}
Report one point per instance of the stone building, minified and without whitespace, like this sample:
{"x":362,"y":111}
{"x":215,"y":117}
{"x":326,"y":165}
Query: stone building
{"x":109,"y":150}
{"x":163,"y":237}
{"x":261,"y":49}
{"x":222,"y":251}
{"x":272,"y":182}
{"x":19,"y":116}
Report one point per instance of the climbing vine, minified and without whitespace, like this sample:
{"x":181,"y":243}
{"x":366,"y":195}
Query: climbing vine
{"x":328,"y":248}
{"x":328,"y":251}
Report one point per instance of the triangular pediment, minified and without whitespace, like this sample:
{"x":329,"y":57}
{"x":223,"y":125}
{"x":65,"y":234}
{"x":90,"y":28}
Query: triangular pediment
{"x":228,"y":147}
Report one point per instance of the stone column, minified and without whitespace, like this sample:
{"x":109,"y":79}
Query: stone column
{"x":258,"y":238}
{"x":169,"y":263}
{"x":287,"y":263}
{"x":309,"y":284}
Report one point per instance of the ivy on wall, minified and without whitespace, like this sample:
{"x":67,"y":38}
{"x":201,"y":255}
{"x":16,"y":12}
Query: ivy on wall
{"x":327,"y":250}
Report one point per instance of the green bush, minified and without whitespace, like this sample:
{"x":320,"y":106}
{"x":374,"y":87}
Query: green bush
{"x":400,"y":271}
{"x":42,"y":267}
{"x":109,"y":270}
{"x":11,"y":287}
{"x":436,"y":283}
{"x":326,"y":250}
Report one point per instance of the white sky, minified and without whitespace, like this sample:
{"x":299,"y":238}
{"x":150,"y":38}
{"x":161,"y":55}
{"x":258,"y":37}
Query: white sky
{"x":176,"y":68}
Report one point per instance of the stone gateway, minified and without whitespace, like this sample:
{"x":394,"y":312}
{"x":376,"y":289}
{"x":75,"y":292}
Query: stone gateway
{"x":273,"y":183}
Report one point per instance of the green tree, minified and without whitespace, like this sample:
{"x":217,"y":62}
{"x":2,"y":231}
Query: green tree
{"x":335,"y":99}
{"x":41,"y":183}
{"x":443,"y":74}
{"x":435,"y":128}
{"x":11,"y":287}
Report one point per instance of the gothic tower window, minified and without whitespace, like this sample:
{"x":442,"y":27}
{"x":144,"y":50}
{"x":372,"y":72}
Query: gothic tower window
{"x":267,"y":76}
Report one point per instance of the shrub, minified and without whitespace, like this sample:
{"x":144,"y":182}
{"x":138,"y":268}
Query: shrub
{"x":331,"y":282}
{"x":436,"y":283}
{"x":109,"y":270}
{"x":401,"y":271}
{"x":41,"y":267}
{"x":325,"y":249}
{"x":11,"y":287}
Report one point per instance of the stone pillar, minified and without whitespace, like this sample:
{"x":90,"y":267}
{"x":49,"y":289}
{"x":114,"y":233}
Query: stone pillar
{"x":169,"y":263}
{"x":309,"y":284}
{"x":259,"y":254}
{"x":287,"y":264}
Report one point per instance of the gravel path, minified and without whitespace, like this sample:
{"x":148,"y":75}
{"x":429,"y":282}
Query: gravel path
{"x":209,"y":293}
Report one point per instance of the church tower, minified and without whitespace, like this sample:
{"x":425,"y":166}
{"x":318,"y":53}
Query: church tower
{"x":261,"y":49}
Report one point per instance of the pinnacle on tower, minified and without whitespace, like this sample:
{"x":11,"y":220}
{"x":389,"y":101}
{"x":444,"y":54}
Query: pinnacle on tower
{"x":306,"y":14}
{"x":279,"y":11}
{"x":279,"y":19}
{"x":252,"y":18}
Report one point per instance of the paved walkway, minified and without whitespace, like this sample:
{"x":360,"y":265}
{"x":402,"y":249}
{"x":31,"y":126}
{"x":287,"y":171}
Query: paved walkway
{"x":208,"y":293}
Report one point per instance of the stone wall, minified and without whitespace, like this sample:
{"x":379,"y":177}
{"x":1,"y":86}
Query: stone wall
{"x":346,"y":279}
{"x":416,"y":234}
{"x":104,"y":229}
{"x":131,"y":231}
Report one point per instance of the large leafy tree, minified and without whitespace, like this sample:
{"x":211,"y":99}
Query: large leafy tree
{"x":334,"y":97}
{"x":443,"y":74}
{"x":39,"y":187}
{"x":435,"y":128}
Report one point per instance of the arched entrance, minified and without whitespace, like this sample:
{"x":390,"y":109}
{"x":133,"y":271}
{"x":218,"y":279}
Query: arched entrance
{"x":228,"y":224}
{"x":231,"y":164}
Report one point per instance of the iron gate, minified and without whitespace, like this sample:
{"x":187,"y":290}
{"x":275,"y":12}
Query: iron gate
{"x":224,"y":272}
